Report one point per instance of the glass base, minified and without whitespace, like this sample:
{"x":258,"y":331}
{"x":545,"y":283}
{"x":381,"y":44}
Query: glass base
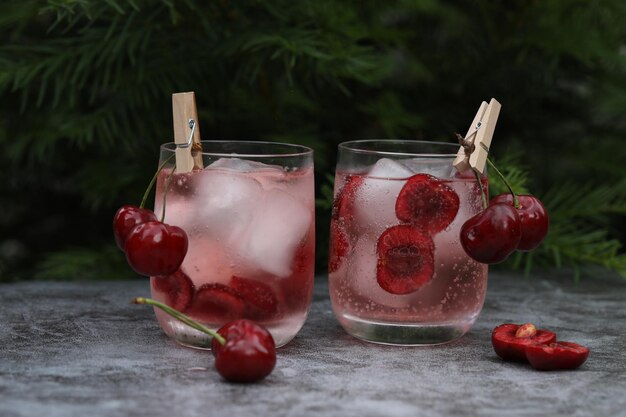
{"x":404,"y":334}
{"x":192,"y":338}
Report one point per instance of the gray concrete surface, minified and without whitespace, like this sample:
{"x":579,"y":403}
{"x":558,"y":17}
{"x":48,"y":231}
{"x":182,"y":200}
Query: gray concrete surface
{"x":80,"y":349}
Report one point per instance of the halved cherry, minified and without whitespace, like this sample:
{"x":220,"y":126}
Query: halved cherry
{"x":339,"y":246}
{"x":405,"y":259}
{"x":557,"y":355}
{"x":427,"y":202}
{"x":217,"y":303}
{"x":510,"y":340}
{"x":177,"y":287}
{"x":261,"y":302}
{"x":343,"y":205}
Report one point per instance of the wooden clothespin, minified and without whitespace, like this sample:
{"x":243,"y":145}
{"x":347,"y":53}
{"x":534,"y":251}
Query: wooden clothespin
{"x":186,"y":132}
{"x":479,"y":137}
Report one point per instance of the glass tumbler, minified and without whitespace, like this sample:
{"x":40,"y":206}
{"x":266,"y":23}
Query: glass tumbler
{"x":397,"y":271}
{"x":249,"y":217}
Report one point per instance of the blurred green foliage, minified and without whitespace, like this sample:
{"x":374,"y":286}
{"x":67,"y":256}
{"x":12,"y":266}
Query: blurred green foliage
{"x":86,"y":87}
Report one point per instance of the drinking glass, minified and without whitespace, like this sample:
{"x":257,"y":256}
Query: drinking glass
{"x":249,"y":216}
{"x":397,"y":271}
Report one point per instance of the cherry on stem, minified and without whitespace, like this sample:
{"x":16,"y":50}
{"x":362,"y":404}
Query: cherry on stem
{"x":244,"y":351}
{"x":156,"y":249}
{"x":492,"y":235}
{"x":128,"y":217}
{"x":533,"y":217}
{"x":249,"y":353}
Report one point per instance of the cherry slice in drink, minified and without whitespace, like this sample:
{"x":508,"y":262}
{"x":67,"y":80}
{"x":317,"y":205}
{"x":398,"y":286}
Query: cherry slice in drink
{"x":261,"y":302}
{"x":125,"y":220}
{"x":405,"y":259}
{"x":249,"y":353}
{"x":557,"y":355}
{"x":511,"y":345}
{"x":177,"y":288}
{"x":427,"y":202}
{"x":217,"y":303}
{"x":533,"y":218}
{"x":343,"y":205}
{"x":339,"y":246}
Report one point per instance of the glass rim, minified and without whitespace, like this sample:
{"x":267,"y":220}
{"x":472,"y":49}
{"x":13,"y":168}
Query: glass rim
{"x":351,"y":146}
{"x":303,"y":150}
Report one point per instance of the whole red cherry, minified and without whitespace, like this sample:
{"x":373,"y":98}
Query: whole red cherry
{"x":249,"y":353}
{"x":493,"y":234}
{"x":125,"y":220}
{"x":533,"y":217}
{"x":156,"y":249}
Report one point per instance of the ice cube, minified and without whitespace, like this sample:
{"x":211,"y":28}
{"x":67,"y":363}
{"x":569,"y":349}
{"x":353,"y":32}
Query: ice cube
{"x":386,"y":168}
{"x":243,"y":165}
{"x":225,"y":204}
{"x":267,"y":175}
{"x":362,"y":275}
{"x":437,"y":167}
{"x":279,"y":225}
{"x":375,"y":199}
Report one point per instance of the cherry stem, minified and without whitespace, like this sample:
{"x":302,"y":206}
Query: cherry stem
{"x":516,"y":202}
{"x":153,"y":180}
{"x":180,"y":316}
{"x":482,"y":190}
{"x":167,"y":188}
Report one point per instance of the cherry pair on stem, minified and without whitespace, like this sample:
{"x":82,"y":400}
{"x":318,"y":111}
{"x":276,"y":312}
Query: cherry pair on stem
{"x":244,"y":351}
{"x":509,"y":222}
{"x":152,"y":247}
{"x":526,"y":343}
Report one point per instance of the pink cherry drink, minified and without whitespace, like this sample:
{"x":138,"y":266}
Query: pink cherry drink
{"x":251,"y":229}
{"x":397,"y":271}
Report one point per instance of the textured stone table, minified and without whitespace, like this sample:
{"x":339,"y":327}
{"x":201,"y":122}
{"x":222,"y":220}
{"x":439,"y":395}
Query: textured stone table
{"x":80,"y":349}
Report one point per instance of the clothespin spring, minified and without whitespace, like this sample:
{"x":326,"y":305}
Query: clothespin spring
{"x":467,"y":142}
